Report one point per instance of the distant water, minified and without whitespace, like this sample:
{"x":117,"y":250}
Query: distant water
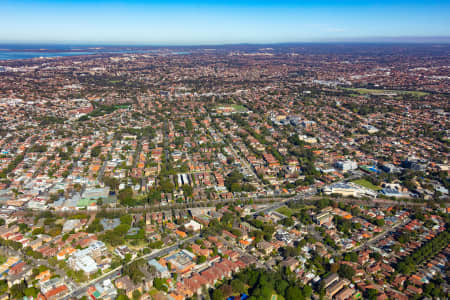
{"x":8,"y":55}
{"x":22,"y":51}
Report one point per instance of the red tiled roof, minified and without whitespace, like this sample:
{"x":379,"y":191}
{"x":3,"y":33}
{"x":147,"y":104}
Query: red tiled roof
{"x":56,"y":291}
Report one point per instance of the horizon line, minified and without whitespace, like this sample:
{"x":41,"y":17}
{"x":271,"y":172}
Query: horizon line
{"x":361,"y":40}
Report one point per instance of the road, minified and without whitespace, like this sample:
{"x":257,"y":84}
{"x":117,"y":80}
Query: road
{"x":117,"y":272}
{"x":317,"y":236}
{"x":386,"y":232}
{"x":101,"y":172}
{"x":236,"y":156}
{"x":298,"y":197}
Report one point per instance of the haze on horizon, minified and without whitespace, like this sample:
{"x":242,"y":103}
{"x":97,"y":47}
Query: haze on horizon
{"x":221,"y":22}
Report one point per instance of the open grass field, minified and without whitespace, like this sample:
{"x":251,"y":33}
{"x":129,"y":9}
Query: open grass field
{"x":379,"y":92}
{"x":288,"y":212}
{"x":367,"y":184}
{"x":238,"y":108}
{"x":284,"y":210}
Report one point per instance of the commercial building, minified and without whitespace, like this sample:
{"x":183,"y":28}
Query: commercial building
{"x":346,"y":165}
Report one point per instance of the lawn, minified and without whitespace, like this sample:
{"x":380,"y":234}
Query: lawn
{"x":288,"y":212}
{"x":239,"y":108}
{"x":367,"y":184}
{"x":284,"y":210}
{"x":375,"y":91}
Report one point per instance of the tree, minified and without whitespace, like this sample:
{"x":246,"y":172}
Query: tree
{"x":372,"y":294}
{"x":3,"y":286}
{"x":126,"y":219}
{"x":281,"y":286}
{"x":396,"y":248}
{"x":351,"y":256}
{"x":37,"y":231}
{"x":136,"y":295}
{"x":95,"y":226}
{"x":379,"y":222}
{"x":166,"y":186}
{"x":78,"y":276}
{"x":122,"y":297}
{"x":187,"y":190}
{"x":23,"y":227}
{"x":135,"y":270}
{"x":17,"y":290}
{"x":217,"y":295}
{"x":201,"y":259}
{"x":77,"y":187}
{"x":307,"y":291}
{"x":96,"y":151}
{"x":31,"y":292}
{"x":376,"y":256}
{"x":128,"y":257}
{"x":346,"y":271}
{"x":227,"y":290}
{"x":334,"y":268}
{"x":238,"y":286}
{"x":404,"y":237}
{"x":431,"y":248}
{"x":428,"y":288}
{"x":112,"y":238}
{"x":112,"y":182}
{"x":232,"y":181}
{"x":122,"y":229}
{"x":189,"y":125}
{"x":160,"y":284}
{"x":125,"y":194}
{"x":290,"y":251}
{"x":294,"y":293}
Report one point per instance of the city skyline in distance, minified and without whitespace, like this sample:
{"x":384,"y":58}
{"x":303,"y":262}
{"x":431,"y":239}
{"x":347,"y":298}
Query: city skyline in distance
{"x":223,"y":22}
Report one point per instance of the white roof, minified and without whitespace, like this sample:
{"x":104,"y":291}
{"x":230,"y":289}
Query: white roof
{"x":86,"y":263}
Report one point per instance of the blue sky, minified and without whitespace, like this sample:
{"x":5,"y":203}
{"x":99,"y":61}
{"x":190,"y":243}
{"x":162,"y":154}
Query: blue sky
{"x":218,"y":22}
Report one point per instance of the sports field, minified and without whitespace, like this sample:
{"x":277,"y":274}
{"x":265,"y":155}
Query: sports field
{"x":380,"y":92}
